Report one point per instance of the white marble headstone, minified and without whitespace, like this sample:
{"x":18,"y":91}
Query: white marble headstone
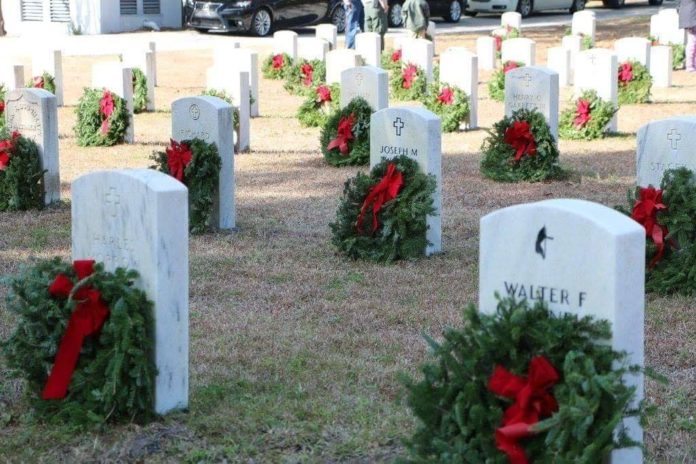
{"x":512,"y":19}
{"x":558,"y":59}
{"x":572,"y":43}
{"x":579,"y":257}
{"x":152,"y":47}
{"x":139,"y":219}
{"x":633,"y":49}
{"x":665,"y":144}
{"x":520,"y":49}
{"x":311,"y":48}
{"x":210,"y":119}
{"x":661,"y":65}
{"x":144,"y":60}
{"x":419,"y":52}
{"x":285,"y":42}
{"x":486,"y":52}
{"x":338,"y":61}
{"x":431,"y":32}
{"x":242,"y":60}
{"x":328,"y":32}
{"x":34,"y":113}
{"x":235,"y":84}
{"x":533,"y":87}
{"x":597,"y":69}
{"x":665,"y":27}
{"x":368,"y":82}
{"x":12,"y":76}
{"x":584,"y":23}
{"x":459,"y":68}
{"x":415,"y":132}
{"x":369,"y":46}
{"x":51,"y":62}
{"x":118,"y":79}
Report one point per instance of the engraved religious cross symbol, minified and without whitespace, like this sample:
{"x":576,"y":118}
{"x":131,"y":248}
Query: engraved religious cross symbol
{"x":359,"y":79}
{"x":593,"y":59}
{"x":398,"y":125}
{"x":113,"y":200}
{"x":527,"y":79}
{"x":674,"y":137}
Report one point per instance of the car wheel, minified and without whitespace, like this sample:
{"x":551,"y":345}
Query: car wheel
{"x":395,"y":19}
{"x":338,"y":18}
{"x":578,"y":5}
{"x":525,"y":7}
{"x":261,"y":23}
{"x":471,"y":13}
{"x":454,"y":13}
{"x":203,"y":31}
{"x":614,"y":3}
{"x":655,"y":2}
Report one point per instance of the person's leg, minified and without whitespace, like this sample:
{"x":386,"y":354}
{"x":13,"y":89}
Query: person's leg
{"x":382,"y":25}
{"x":691,"y":49}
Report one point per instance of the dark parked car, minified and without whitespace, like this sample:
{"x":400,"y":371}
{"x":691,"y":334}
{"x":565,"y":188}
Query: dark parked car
{"x":261,"y":17}
{"x":449,"y":10}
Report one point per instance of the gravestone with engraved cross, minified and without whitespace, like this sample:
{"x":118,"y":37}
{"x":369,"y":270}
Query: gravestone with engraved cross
{"x":580,"y":258}
{"x":34,"y":114}
{"x":665,"y":144}
{"x":138,"y":219}
{"x":596,"y":69}
{"x":118,"y":79}
{"x":416,"y":133}
{"x":368,"y":82}
{"x":533,"y":87}
{"x":210,"y":119}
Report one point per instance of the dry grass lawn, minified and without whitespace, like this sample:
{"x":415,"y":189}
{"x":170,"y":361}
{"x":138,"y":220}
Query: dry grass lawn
{"x":295,"y":350}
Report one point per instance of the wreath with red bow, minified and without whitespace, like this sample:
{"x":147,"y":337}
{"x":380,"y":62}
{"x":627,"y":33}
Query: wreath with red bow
{"x":410,"y":84}
{"x":521,"y":385}
{"x":319,"y":105}
{"x":21,"y":173}
{"x":102,"y":119}
{"x":304,"y":76}
{"x":44,"y":81}
{"x":345,"y":137}
{"x":635,"y":83}
{"x":196,"y":164}
{"x":391,"y":60}
{"x":450,"y":103}
{"x":667,"y":215}
{"x":276,"y":66}
{"x":520,"y":147}
{"x":83,"y":342}
{"x":586,"y":118}
{"x":382,"y":215}
{"x":496,"y":86}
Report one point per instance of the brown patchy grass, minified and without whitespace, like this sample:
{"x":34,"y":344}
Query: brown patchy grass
{"x":295,"y":351}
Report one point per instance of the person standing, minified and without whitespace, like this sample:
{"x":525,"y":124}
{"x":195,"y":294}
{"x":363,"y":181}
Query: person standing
{"x":376,"y":17}
{"x":687,"y":21}
{"x":354,"y":20}
{"x":416,"y":15}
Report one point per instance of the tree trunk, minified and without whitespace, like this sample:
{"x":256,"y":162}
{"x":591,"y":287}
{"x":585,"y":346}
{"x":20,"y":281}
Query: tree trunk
{"x":2,"y":21}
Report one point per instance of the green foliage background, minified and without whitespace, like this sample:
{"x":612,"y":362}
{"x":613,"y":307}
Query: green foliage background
{"x":496,"y":86}
{"x":21,"y":183}
{"x":140,"y":99}
{"x":88,"y":126}
{"x":638,"y":89}
{"x":359,"y":147}
{"x":601,"y":112}
{"x":49,"y":83}
{"x":417,"y":90}
{"x":452,"y":116}
{"x":271,"y":73}
{"x":294,"y":77}
{"x":313,"y":114}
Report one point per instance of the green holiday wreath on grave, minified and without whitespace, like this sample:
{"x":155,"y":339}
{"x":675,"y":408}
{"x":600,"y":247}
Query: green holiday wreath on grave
{"x":382,"y":215}
{"x":78,"y":315}
{"x":410,"y":84}
{"x":450,"y":103}
{"x":221,"y":94}
{"x":391,"y":60}
{"x":345,"y":137}
{"x":667,"y":215}
{"x":587,"y":118}
{"x":635,"y":83}
{"x":276,"y":66}
{"x":21,"y":174}
{"x":469,"y":401}
{"x":503,"y":33}
{"x":44,"y":81}
{"x":197,"y":165}
{"x":317,"y":108}
{"x":520,"y":147}
{"x":303,"y":76}
{"x":102,"y":119}
{"x":496,"y":86}
{"x":140,"y":99}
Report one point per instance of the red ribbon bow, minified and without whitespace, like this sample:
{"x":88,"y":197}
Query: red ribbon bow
{"x":323,"y":94}
{"x":645,"y":210}
{"x":519,"y":136}
{"x":509,"y":66}
{"x":582,"y":113}
{"x":344,"y":134}
{"x":396,"y":56}
{"x":278,"y":61}
{"x":88,"y":317}
{"x":386,"y":190}
{"x":532,"y":403}
{"x":498,"y":43}
{"x":106,"y":109}
{"x":179,"y":156}
{"x":625,"y":73}
{"x":2,"y":107}
{"x":7,"y":146}
{"x":38,"y":82}
{"x":446,"y":96}
{"x":308,"y":72}
{"x":409,"y":75}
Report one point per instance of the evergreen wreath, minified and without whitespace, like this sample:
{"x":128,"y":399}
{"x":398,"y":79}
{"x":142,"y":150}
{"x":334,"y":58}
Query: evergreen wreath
{"x":44,"y":81}
{"x":583,"y":398}
{"x":21,"y":174}
{"x":586,"y":41}
{"x":496,"y":86}
{"x":667,"y":215}
{"x":221,"y":94}
{"x":391,"y":60}
{"x":114,"y":376}
{"x":303,"y":76}
{"x":276,"y":66}
{"x":197,"y":165}
{"x":345,"y":137}
{"x":587,"y":118}
{"x":520,"y":147}
{"x":409,"y":84}
{"x":635,"y":83}
{"x":317,"y":108}
{"x":102,"y":119}
{"x":382,"y":215}
{"x":140,"y":99}
{"x":450,"y":103}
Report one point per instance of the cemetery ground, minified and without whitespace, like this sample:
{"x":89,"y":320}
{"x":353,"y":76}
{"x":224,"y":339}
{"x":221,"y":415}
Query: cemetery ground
{"x":296,"y":351}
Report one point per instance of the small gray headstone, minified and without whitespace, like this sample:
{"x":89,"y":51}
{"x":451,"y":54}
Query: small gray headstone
{"x":368,"y":82}
{"x":533,"y":87}
{"x":665,"y":144}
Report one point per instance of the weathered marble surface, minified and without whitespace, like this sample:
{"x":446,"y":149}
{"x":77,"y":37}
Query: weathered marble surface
{"x":533,"y":87}
{"x":665,"y":144}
